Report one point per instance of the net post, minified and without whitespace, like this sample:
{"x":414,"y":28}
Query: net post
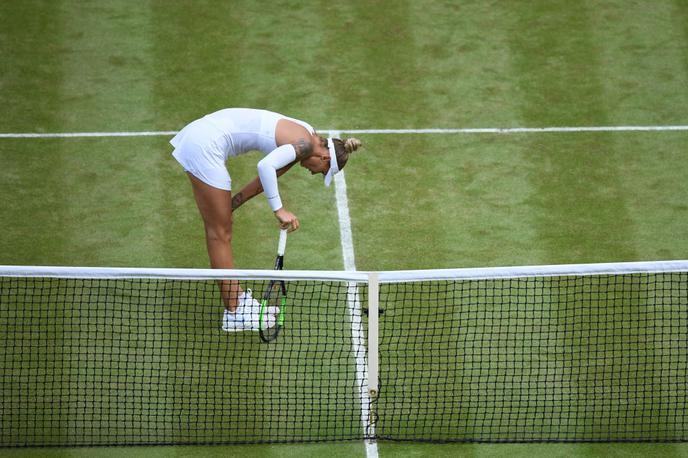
{"x":373,"y":315}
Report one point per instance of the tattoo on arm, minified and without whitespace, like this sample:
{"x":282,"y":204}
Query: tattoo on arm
{"x":303,"y":149}
{"x":237,"y":200}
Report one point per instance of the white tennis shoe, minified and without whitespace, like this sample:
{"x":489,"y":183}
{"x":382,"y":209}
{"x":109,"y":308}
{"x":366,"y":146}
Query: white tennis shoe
{"x":247,"y":315}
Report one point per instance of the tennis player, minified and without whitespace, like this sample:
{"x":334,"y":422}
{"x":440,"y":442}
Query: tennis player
{"x":203,"y":147}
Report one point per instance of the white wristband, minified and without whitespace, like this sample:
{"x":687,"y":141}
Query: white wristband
{"x":275,"y":203}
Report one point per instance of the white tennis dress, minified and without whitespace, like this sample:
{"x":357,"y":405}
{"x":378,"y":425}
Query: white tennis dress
{"x":203,"y":146}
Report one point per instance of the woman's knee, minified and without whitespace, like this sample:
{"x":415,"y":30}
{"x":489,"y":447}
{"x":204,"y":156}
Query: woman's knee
{"x":219,"y":233}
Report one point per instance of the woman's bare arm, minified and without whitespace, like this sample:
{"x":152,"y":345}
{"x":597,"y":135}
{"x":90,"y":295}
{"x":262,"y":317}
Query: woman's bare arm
{"x":253,"y":188}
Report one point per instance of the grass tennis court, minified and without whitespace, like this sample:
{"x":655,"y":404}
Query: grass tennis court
{"x":417,"y":201}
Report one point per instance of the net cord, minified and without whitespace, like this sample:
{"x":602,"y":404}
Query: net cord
{"x":357,"y":276}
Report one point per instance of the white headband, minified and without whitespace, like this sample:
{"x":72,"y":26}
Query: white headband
{"x":334,"y":166}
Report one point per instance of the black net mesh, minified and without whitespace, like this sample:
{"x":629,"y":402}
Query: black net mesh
{"x":144,"y":361}
{"x":96,"y":362}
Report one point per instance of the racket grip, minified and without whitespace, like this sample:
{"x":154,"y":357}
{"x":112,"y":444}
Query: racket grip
{"x":282,"y":242}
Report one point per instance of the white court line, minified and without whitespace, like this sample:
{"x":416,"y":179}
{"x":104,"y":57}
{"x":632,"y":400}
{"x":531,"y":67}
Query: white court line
{"x":331,"y":132}
{"x":353,"y":301}
{"x":89,"y":134}
{"x":519,"y":130}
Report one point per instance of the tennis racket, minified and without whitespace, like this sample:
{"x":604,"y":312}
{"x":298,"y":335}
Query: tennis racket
{"x":275,"y":296}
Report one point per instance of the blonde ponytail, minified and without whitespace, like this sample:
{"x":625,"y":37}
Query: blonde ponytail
{"x":344,"y":148}
{"x":352,"y":144}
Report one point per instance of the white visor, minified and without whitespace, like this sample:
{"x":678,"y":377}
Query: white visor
{"x":334,"y":166}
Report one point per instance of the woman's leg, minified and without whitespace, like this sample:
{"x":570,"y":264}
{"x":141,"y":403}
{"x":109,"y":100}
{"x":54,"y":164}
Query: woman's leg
{"x":215,"y":206}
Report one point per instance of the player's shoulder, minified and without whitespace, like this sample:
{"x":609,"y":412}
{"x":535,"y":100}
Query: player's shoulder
{"x":290,"y":130}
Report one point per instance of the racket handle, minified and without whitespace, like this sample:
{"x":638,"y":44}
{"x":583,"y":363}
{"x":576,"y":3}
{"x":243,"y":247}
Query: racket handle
{"x":282,"y":242}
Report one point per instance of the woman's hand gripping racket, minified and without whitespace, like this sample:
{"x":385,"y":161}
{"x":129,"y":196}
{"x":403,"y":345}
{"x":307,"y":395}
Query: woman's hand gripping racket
{"x":275,"y":296}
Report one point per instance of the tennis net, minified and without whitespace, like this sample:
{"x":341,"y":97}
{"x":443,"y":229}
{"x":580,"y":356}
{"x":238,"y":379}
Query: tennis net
{"x":555,"y":353}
